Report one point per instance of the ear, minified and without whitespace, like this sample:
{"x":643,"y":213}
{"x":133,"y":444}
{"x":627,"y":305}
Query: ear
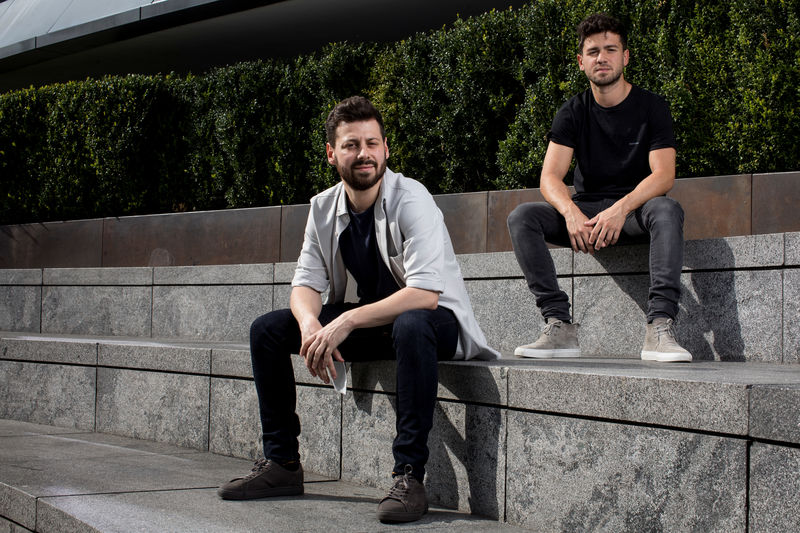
{"x":580,"y":61}
{"x":330,"y":154}
{"x":386,"y":147}
{"x":626,"y":57}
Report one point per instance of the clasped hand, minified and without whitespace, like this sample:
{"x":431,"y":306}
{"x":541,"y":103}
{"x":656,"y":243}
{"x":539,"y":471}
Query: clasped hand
{"x":320,"y":347}
{"x":590,"y":234}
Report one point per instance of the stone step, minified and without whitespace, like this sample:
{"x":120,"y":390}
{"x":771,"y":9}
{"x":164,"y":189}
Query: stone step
{"x":55,"y":479}
{"x":740,"y":297}
{"x":709,"y":443}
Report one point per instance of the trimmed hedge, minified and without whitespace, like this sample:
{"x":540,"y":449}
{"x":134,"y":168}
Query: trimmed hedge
{"x":467,"y":108}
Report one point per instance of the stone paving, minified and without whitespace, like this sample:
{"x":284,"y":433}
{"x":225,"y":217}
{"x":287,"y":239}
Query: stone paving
{"x":56,"y":479}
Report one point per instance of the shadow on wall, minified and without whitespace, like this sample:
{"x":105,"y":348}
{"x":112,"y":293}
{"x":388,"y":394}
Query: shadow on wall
{"x":708,"y":319}
{"x":467,"y":440}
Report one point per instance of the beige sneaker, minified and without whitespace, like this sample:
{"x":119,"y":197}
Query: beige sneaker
{"x":558,"y":339}
{"x":660,"y":344}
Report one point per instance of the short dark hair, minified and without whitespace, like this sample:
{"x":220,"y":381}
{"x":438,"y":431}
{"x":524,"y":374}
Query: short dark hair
{"x":601,"y":23}
{"x":353,"y":109}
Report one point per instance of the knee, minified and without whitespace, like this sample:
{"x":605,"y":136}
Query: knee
{"x":272,"y":321}
{"x":524,"y":215}
{"x":664,"y":210}
{"x":414,"y":338}
{"x":411,"y":323}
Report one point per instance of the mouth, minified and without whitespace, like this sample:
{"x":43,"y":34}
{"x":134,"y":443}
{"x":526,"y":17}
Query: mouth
{"x":364,"y":165}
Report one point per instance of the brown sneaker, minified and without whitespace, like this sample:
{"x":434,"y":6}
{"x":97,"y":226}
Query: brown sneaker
{"x":266,"y":479}
{"x":406,"y":500}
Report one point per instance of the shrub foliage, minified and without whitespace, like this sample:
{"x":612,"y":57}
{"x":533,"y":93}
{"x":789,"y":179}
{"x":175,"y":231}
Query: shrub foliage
{"x":466,"y":107}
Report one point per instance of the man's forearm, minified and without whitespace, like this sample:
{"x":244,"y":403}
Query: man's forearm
{"x":656,"y":184}
{"x":386,"y":310}
{"x":556,"y":193}
{"x":306,"y":304}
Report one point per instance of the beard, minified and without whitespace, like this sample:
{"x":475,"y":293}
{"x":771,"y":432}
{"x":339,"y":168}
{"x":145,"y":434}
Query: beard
{"x":357,"y":179}
{"x":611,"y":79}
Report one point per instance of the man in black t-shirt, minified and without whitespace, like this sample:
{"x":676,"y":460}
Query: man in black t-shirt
{"x":622,"y":140}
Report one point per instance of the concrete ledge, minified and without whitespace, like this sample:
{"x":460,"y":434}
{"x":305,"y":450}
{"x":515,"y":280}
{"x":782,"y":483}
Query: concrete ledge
{"x":651,"y":433}
{"x":747,"y":399}
{"x":257,"y":274}
{"x":130,"y":276}
{"x":737,"y":291}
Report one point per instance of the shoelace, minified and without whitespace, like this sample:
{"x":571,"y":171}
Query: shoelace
{"x":400,"y":487}
{"x":258,"y":467}
{"x":549,"y":327}
{"x":664,"y":328}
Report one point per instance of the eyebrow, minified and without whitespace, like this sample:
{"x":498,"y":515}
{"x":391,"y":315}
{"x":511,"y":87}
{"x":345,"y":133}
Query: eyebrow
{"x":356,"y":139}
{"x":606,"y":47}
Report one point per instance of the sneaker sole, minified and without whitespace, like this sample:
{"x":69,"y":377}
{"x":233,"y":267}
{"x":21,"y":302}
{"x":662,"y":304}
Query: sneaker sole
{"x":395,"y":517}
{"x":547,"y":354}
{"x":666,"y":357}
{"x":265,"y":493}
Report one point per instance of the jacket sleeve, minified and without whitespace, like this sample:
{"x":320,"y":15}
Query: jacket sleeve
{"x":311,"y":270}
{"x":421,"y":226}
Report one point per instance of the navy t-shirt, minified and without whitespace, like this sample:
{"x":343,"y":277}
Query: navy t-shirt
{"x":612,"y":144}
{"x":362,"y":258}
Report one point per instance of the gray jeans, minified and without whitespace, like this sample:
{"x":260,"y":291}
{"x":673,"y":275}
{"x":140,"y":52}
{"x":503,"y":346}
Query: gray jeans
{"x":532,"y":225}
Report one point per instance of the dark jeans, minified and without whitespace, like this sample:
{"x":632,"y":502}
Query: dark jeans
{"x":532,"y":225}
{"x":417,"y":340}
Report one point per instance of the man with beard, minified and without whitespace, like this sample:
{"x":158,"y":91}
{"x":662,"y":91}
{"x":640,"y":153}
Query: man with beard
{"x":387,"y":232}
{"x":622,"y":140}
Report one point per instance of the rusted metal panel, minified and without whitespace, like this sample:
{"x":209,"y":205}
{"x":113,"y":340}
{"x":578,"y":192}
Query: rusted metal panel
{"x":501,"y":203}
{"x":76,"y":243}
{"x":204,"y":238}
{"x":716,"y":206}
{"x":465,"y":218}
{"x":776,"y":202}
{"x":293,"y":225}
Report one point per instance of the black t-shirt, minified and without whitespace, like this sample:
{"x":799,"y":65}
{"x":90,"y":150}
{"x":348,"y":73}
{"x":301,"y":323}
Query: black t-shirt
{"x":362,"y":258}
{"x":612,"y":144}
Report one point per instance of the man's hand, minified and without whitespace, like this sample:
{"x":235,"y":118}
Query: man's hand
{"x":606,"y":226}
{"x":579,"y":230}
{"x":320,"y":346}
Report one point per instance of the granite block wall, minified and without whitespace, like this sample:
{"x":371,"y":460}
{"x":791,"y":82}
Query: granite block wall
{"x":467,"y":464}
{"x":235,"y":425}
{"x":60,"y":395}
{"x":584,"y":475}
{"x":161,"y":354}
{"x":163,"y":407}
{"x":20,"y":308}
{"x":774,"y":488}
{"x":730,"y":288}
{"x":581,"y":445}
